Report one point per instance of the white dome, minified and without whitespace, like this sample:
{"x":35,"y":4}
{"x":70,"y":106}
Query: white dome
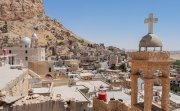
{"x":26,"y":41}
{"x":34,"y":36}
{"x":150,"y":40}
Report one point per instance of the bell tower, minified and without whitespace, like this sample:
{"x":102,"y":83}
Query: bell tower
{"x":149,"y":61}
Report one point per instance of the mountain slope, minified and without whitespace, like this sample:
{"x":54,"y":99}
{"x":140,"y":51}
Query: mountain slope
{"x":20,"y":18}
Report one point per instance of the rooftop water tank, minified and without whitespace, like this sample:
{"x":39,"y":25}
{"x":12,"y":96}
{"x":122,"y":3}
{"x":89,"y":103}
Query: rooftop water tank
{"x":102,"y":95}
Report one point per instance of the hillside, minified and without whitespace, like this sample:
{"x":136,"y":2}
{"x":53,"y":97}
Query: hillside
{"x":20,"y":18}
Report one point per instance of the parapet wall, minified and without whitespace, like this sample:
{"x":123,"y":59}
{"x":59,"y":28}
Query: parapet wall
{"x":51,"y":105}
{"x":113,"y":105}
{"x":150,"y":55}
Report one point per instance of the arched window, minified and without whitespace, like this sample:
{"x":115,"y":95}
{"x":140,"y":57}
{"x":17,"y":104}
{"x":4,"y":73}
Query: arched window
{"x":48,"y":77}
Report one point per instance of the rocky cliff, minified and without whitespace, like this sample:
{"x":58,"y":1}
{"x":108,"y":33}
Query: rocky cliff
{"x":20,"y":9}
{"x":20,"y":18}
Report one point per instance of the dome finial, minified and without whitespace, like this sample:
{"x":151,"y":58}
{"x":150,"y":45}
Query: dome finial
{"x":151,"y":20}
{"x":150,"y":40}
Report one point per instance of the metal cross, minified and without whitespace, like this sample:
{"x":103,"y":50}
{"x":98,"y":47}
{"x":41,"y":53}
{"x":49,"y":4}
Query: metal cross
{"x":151,"y":20}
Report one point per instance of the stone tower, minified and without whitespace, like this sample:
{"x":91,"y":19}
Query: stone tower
{"x":149,"y":61}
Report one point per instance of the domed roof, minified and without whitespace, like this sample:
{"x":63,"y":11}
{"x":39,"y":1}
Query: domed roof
{"x":26,"y":41}
{"x":150,"y":40}
{"x":34,"y":36}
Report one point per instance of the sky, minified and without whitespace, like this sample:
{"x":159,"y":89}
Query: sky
{"x":118,"y":22}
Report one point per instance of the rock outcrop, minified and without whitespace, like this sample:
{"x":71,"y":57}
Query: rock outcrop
{"x":20,"y":9}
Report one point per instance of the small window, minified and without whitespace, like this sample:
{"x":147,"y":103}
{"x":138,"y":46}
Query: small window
{"x":49,"y":69}
{"x":26,"y":51}
{"x":10,"y":51}
{"x":26,"y":58}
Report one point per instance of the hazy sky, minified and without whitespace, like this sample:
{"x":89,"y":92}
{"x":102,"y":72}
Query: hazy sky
{"x":118,"y":22}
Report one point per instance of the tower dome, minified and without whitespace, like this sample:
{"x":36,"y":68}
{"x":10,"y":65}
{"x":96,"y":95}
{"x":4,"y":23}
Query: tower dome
{"x":26,"y":41}
{"x":34,"y":36}
{"x":150,"y":40}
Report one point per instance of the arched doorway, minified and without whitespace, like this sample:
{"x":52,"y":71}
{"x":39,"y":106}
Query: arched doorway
{"x":48,"y":77}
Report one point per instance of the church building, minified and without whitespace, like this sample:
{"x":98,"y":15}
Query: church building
{"x":26,"y":51}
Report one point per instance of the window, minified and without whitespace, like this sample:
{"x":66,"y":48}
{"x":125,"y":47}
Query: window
{"x":49,"y":69}
{"x":10,"y":51}
{"x":26,"y":51}
{"x":26,"y":58}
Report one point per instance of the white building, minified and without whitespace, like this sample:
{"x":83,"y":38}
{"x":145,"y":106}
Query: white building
{"x":27,"y":51}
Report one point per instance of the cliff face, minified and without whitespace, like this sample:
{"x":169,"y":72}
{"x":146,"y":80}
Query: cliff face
{"x":20,"y":18}
{"x":20,"y":9}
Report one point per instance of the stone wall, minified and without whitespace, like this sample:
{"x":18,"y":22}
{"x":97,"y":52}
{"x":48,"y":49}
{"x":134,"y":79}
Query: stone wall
{"x":114,"y":105}
{"x":50,"y":105}
{"x":78,"y":106}
{"x":17,"y":87}
{"x":42,"y":67}
{"x":155,"y":56}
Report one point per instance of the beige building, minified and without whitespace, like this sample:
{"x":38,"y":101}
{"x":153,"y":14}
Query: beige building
{"x":113,"y":60}
{"x":25,"y":55}
{"x":42,"y":68}
{"x":27,"y":51}
{"x":73,"y":64}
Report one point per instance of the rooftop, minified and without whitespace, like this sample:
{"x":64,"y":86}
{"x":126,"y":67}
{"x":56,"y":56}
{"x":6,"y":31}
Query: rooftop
{"x":93,"y":85}
{"x":68,"y":93}
{"x":8,"y":75}
{"x":175,"y":98}
{"x":119,"y":95}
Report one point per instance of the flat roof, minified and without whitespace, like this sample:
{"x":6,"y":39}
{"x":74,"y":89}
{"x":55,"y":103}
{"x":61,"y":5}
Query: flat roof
{"x":68,"y":93}
{"x":7,"y":75}
{"x":41,"y":90}
{"x":175,"y":98}
{"x":93,"y":85}
{"x":119,"y":95}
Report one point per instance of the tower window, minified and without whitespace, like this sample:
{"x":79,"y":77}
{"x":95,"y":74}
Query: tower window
{"x":49,"y":69}
{"x":10,"y":51}
{"x":26,"y":58}
{"x":26,"y":51}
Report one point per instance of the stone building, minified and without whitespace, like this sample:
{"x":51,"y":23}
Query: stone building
{"x":113,"y":60}
{"x":27,"y":51}
{"x":73,"y":64}
{"x":42,"y":68}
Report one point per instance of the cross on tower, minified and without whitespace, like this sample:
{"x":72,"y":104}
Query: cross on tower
{"x":151,"y":20}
